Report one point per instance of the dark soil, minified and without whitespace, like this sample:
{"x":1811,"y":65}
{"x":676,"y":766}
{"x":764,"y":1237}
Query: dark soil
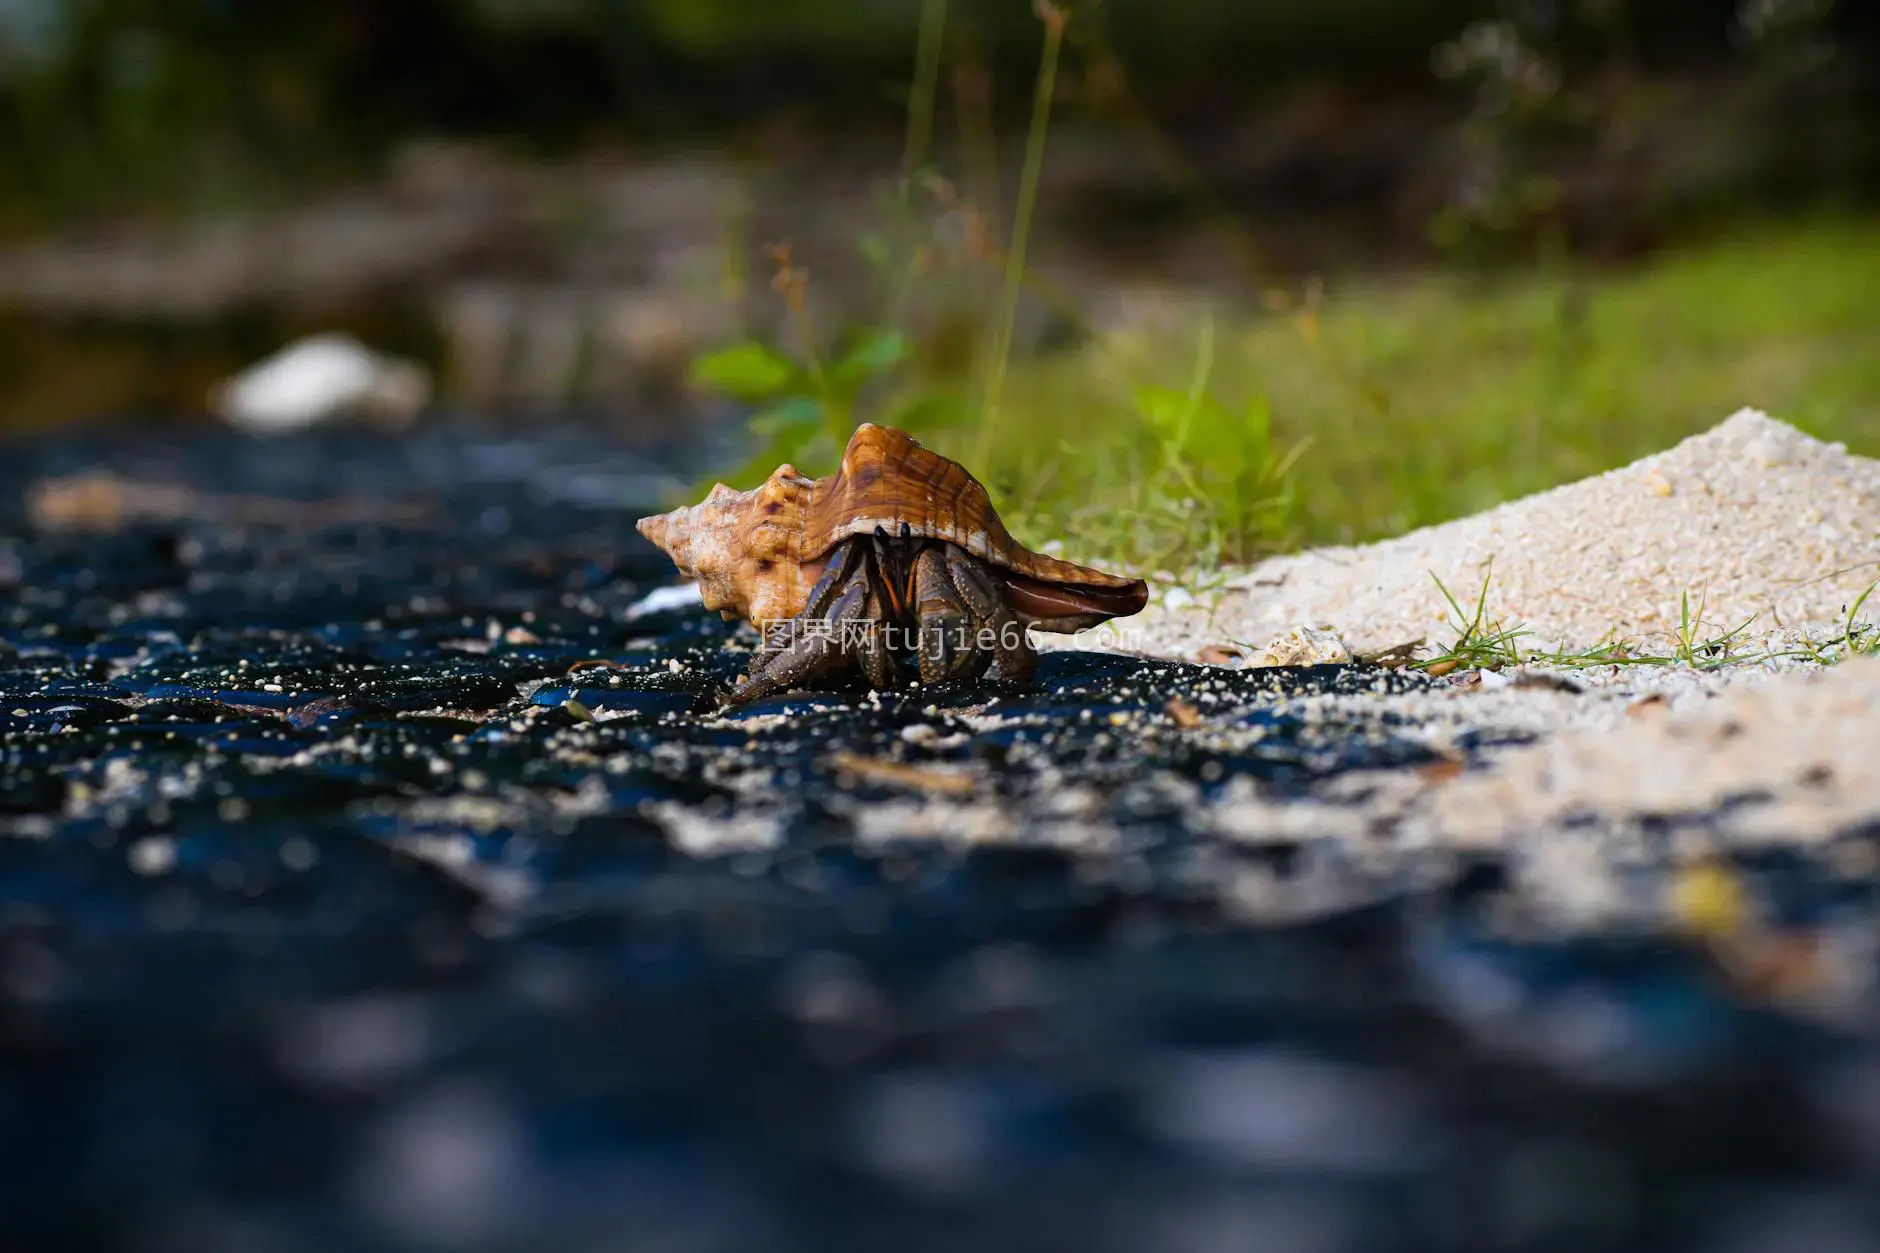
{"x":327,"y":922}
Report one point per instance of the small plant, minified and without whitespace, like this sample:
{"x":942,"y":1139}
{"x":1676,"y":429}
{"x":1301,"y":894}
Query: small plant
{"x":1483,"y":644}
{"x":1479,"y":643}
{"x":1148,"y":475}
{"x":1207,"y":452}
{"x":807,"y":407}
{"x":1857,"y":638}
{"x":1704,"y":654}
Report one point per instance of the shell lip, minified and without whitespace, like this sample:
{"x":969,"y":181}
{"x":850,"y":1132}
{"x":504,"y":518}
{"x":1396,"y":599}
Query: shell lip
{"x":1073,"y":607}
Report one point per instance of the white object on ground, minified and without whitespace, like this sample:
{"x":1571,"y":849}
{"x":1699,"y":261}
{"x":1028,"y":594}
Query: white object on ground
{"x":1305,"y":646}
{"x":320,"y":378}
{"x":660,"y":599}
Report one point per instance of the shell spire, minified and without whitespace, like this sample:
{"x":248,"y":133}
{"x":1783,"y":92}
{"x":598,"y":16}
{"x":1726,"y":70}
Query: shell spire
{"x":742,"y":547}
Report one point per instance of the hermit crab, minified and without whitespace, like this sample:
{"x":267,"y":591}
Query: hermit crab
{"x":898,"y":558}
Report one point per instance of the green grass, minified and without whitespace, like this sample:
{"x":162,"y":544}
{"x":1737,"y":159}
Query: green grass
{"x":1480,"y":643}
{"x":1858,"y":639}
{"x":1412,"y":401}
{"x":1483,"y":642}
{"x":1384,"y":406}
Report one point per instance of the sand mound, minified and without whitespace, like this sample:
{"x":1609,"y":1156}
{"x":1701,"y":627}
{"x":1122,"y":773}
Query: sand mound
{"x":1753,"y":517}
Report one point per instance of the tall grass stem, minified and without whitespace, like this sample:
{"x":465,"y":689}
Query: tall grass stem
{"x":1021,"y":228}
{"x":920,"y":100}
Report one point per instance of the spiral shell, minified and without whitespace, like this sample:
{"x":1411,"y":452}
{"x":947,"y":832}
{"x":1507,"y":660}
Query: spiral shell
{"x":756,"y":554}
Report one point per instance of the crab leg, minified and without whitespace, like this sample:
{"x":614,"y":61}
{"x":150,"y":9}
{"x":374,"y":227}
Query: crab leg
{"x":840,"y":624}
{"x":780,"y":635}
{"x":947,"y":628}
{"x":871,"y":646}
{"x":984,"y":596}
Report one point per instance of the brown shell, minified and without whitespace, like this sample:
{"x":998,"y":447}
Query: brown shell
{"x":756,"y":554}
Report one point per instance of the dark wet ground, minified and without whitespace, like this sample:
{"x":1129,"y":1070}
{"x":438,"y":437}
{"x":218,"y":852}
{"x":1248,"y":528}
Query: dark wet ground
{"x":326,"y":924}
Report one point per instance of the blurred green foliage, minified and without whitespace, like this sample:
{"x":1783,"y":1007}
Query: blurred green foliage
{"x":805,"y":410}
{"x":1425,"y":399}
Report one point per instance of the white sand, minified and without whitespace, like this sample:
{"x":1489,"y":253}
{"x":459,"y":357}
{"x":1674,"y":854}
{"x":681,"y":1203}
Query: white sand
{"x":1792,"y":760}
{"x":1756,"y":520}
{"x":1753,"y":519}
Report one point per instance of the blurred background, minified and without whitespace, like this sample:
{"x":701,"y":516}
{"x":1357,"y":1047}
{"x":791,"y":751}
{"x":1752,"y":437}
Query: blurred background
{"x":1418,"y":255}
{"x":340,"y":339}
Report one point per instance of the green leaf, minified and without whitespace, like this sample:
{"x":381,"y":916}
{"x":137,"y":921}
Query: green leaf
{"x":934,"y":411}
{"x":799,"y":413}
{"x":749,"y":371}
{"x":1166,"y":408}
{"x":875,"y":350}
